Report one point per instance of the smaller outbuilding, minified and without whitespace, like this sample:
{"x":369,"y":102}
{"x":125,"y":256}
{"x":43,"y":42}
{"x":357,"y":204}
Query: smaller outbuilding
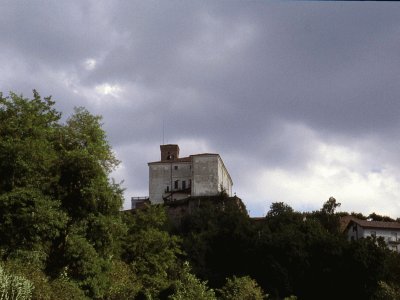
{"x":357,"y":229}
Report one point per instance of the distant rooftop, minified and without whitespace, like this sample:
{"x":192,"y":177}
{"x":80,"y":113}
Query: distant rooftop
{"x":344,"y":221}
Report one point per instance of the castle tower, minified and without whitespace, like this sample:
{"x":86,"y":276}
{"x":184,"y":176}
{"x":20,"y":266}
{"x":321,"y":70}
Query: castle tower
{"x":169,"y":152}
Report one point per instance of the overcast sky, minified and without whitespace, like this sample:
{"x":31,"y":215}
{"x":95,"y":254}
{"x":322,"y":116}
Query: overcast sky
{"x":300,"y":99}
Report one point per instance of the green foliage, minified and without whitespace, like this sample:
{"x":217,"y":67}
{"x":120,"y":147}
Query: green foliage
{"x":59,"y":210}
{"x":86,"y":162}
{"x":25,"y":266}
{"x":330,"y":206}
{"x":29,"y":219}
{"x":241,"y":288}
{"x":105,"y":234}
{"x":85,"y":266}
{"x":83,"y":131}
{"x":327,"y":216}
{"x":364,"y":266}
{"x":217,"y":241}
{"x":376,"y":217}
{"x":44,"y":288}
{"x":14,"y":287}
{"x":386,"y":292}
{"x":189,"y":287}
{"x":280,"y":215}
{"x":64,"y":289}
{"x":124,"y":284}
{"x":27,"y":131}
{"x":279,"y":209}
{"x":151,"y":251}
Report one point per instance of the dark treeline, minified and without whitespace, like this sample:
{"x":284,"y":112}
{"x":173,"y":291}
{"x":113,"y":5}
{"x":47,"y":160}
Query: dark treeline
{"x":63,"y":235}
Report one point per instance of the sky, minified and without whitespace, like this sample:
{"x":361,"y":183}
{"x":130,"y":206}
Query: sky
{"x":300,"y":99}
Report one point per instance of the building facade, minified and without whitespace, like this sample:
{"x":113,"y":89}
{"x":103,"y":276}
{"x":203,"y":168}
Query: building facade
{"x":357,"y":229}
{"x":173,"y":178}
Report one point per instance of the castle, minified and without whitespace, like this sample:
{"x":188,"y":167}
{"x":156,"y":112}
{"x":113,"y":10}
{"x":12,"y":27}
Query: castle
{"x":174,"y":178}
{"x":184,"y":184}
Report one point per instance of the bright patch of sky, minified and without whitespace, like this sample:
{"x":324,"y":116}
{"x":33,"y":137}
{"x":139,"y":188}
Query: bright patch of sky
{"x":90,"y":64}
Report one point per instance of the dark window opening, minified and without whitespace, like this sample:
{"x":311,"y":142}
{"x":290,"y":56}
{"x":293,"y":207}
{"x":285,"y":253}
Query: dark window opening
{"x":167,"y":188}
{"x":176,"y":167}
{"x":176,"y":184}
{"x":183,"y":184}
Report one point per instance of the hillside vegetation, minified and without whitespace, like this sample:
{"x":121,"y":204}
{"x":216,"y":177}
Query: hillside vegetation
{"x":63,"y":235}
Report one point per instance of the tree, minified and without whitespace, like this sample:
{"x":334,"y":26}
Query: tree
{"x":386,"y":291}
{"x":14,"y":287}
{"x":327,"y":216}
{"x":44,"y":288}
{"x":189,"y":287}
{"x":30,"y":220}
{"x":150,"y":250}
{"x":86,"y":163}
{"x":376,"y":217}
{"x":241,"y":288}
{"x":330,"y":206}
{"x":218,"y":242}
{"x":124,"y":282}
{"x":279,"y":209}
{"x":59,"y":208}
{"x":281,"y":215}
{"x":84,"y":266}
{"x":27,"y":132}
{"x":364,"y":266}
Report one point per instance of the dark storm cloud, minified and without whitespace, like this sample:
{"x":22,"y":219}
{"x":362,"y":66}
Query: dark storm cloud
{"x":326,"y":66}
{"x":45,"y":32}
{"x":264,"y":82}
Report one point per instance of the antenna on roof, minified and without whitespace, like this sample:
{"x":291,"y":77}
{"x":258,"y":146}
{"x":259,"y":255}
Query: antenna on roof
{"x":163,"y":131}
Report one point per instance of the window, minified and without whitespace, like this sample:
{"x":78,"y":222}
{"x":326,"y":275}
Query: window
{"x":373,"y":233}
{"x":167,"y":188}
{"x":176,"y":184}
{"x":183,"y":184}
{"x":176,"y":167}
{"x":190,"y":182}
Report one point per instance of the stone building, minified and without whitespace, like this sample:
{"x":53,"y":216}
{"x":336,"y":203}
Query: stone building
{"x":173,"y":178}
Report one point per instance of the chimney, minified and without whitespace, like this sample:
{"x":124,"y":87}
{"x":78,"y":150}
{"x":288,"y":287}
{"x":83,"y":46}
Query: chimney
{"x":169,"y":152}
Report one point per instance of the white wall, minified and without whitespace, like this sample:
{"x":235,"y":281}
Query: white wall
{"x":224,"y":178}
{"x":390,"y":235}
{"x":205,"y":175}
{"x":163,"y":175}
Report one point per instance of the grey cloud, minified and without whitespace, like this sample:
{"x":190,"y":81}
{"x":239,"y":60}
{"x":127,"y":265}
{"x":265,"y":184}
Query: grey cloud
{"x":231,"y":73}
